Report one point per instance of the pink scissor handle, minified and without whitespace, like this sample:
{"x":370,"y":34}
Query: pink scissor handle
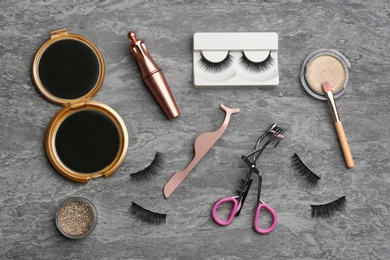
{"x":232,"y":213}
{"x":257,"y":216}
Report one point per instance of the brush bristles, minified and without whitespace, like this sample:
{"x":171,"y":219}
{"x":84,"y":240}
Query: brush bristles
{"x":304,"y":171}
{"x":327,"y":210}
{"x":326,"y":86}
{"x":150,"y":171}
{"x":147,"y":215}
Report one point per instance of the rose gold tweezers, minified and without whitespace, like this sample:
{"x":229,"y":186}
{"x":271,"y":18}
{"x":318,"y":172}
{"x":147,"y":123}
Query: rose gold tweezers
{"x":202,"y":145}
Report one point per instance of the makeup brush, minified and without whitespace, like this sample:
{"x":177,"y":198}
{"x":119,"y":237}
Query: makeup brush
{"x":339,"y":126}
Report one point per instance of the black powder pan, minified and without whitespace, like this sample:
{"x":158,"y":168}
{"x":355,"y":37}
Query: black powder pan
{"x":85,"y":139}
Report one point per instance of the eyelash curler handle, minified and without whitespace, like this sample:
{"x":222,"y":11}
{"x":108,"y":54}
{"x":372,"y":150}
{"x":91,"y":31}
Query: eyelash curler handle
{"x":232,"y":214}
{"x":257,"y":217}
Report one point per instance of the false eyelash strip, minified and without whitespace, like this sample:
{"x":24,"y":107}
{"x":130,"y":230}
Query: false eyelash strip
{"x":215,"y":67}
{"x":147,"y":215}
{"x":256,"y":67}
{"x":150,"y":171}
{"x":304,"y":171}
{"x":327,"y":210}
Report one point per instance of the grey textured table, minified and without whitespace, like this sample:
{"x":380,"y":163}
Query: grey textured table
{"x":31,"y":189}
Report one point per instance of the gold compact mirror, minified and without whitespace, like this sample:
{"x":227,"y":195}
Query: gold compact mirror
{"x":85,"y":139}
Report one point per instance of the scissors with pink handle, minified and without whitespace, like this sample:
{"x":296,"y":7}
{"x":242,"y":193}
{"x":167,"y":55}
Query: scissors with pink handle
{"x":271,"y":138}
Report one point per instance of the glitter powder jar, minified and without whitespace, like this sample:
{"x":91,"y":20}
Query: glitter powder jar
{"x":76,"y":217}
{"x":325,"y":65}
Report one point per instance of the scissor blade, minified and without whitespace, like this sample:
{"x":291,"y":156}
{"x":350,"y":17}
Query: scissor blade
{"x":243,"y":195}
{"x":251,"y":166}
{"x":260,"y":182}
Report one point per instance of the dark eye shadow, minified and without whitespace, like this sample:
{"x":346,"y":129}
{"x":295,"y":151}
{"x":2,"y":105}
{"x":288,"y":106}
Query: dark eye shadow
{"x":69,"y":69}
{"x":87,"y":141}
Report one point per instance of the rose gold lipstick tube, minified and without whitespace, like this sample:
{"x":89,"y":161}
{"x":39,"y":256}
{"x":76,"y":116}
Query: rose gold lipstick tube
{"x":153,"y":77}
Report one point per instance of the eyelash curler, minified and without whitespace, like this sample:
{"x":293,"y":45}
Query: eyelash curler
{"x":269,"y":140}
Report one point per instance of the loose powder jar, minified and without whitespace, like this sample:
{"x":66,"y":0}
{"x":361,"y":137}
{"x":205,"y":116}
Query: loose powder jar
{"x":86,"y":139}
{"x":76,"y":218}
{"x":325,"y":65}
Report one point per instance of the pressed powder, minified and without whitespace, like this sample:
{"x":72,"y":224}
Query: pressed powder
{"x":325,"y":65}
{"x":325,"y":68}
{"x":76,"y":218}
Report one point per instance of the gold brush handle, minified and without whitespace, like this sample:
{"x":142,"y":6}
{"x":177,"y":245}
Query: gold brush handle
{"x":344,"y":144}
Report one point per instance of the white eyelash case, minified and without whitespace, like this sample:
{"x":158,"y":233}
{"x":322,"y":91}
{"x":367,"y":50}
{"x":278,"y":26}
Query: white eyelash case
{"x":235,"y":59}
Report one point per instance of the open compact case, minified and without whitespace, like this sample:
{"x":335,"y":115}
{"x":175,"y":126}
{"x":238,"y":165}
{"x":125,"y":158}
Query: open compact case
{"x":85,"y":139}
{"x":235,"y":59}
{"x":325,"y":65}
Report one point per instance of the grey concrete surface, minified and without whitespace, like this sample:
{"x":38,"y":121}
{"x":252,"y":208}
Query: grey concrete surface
{"x":31,"y":189}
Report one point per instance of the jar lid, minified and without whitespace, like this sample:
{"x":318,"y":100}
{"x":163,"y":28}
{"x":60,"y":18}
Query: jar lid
{"x":68,"y":67}
{"x":325,"y":65}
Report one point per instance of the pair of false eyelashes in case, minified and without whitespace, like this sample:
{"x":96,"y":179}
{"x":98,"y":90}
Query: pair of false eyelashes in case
{"x":235,"y":59}
{"x":322,"y":210}
{"x":244,"y":61}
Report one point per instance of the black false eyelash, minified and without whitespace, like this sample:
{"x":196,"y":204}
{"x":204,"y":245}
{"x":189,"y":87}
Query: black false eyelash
{"x":304,"y":171}
{"x":215,"y":67}
{"x":151,"y":171}
{"x":147,"y":215}
{"x":327,"y":210}
{"x":256,"y":66}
